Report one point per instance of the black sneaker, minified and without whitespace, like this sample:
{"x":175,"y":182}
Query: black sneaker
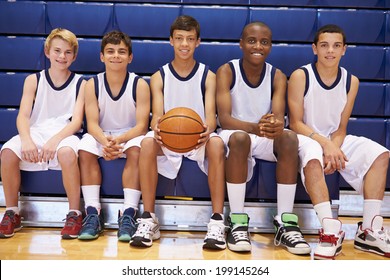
{"x":147,"y":231}
{"x":93,"y":224}
{"x":289,"y":235}
{"x":215,"y":237}
{"x":127,"y":224}
{"x":238,"y":236}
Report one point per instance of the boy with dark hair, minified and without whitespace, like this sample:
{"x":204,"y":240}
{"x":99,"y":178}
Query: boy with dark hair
{"x":117,"y":106}
{"x":321,"y":97}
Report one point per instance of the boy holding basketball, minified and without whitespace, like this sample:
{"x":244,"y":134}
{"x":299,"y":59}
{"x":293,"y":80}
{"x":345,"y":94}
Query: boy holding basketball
{"x":184,"y":82}
{"x":117,"y":106}
{"x":251,"y":108}
{"x":321,"y":97}
{"x":51,"y":112}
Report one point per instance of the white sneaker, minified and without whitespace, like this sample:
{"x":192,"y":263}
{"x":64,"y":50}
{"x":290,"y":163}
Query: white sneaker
{"x":148,"y":230}
{"x":331,"y":239}
{"x":215,"y":237}
{"x":238,"y":238}
{"x":374,"y":239}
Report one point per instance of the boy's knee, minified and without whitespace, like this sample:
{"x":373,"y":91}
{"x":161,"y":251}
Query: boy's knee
{"x":239,"y":141}
{"x":288,"y":142}
{"x":66,"y":155}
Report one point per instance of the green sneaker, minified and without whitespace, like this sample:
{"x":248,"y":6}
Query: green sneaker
{"x":289,"y":235}
{"x":238,"y":236}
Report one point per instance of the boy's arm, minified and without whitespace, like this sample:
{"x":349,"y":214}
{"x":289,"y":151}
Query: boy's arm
{"x":210,"y":102}
{"x":224,"y":103}
{"x":272,"y":125}
{"x":156,"y":87}
{"x":49,"y":149}
{"x":92,"y":113}
{"x":29,"y":149}
{"x":142,"y":113}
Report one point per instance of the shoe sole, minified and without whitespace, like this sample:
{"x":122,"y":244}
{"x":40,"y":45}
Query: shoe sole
{"x":124,"y":238}
{"x":137,"y":241}
{"x":323,"y":257}
{"x":2,"y":235}
{"x":371,"y":249}
{"x":299,"y":251}
{"x":88,"y":237}
{"x":240,"y":248}
{"x":69,"y":236}
{"x":214,"y":246}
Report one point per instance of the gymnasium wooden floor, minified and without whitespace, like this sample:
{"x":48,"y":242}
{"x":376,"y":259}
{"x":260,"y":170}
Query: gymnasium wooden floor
{"x":46,"y":244}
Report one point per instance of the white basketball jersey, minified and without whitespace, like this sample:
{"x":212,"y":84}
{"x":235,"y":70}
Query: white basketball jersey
{"x":324,"y":104}
{"x":53,"y":106}
{"x":116,"y":113}
{"x":185,"y":92}
{"x":251,"y":102}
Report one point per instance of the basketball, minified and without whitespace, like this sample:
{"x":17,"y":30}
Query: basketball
{"x":180,"y":129}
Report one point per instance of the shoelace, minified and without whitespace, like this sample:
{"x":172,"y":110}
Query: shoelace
{"x":7,"y":219}
{"x":294,"y":236}
{"x":91,"y":221}
{"x":383,"y":235}
{"x":240,"y":235}
{"x":70,"y":219}
{"x":328,"y":238}
{"x":126,"y":221}
{"x":216,"y":230}
{"x":144,"y":227}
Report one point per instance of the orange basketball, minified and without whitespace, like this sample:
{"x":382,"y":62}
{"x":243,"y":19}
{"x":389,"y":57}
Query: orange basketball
{"x":180,"y":129}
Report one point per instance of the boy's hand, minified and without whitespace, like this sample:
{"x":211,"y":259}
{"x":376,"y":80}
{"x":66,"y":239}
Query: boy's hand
{"x":270,"y":127}
{"x":112,"y":150}
{"x":30,"y":151}
{"x":48,"y":151}
{"x":156,"y":130}
{"x":334,"y":158}
{"x":204,"y":136}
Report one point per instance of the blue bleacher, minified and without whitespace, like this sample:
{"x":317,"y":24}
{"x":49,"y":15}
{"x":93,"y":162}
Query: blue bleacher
{"x":324,"y":3}
{"x":360,"y":26}
{"x":304,"y":20}
{"x":216,"y":22}
{"x":387,"y":101}
{"x":8,"y":124}
{"x":88,"y":58}
{"x":84,"y":19}
{"x":387,"y":62}
{"x":22,"y":17}
{"x":130,"y":18}
{"x":370,"y":100}
{"x":21,"y":53}
{"x":374,"y":129}
{"x":11,"y":85}
{"x":365,"y":62}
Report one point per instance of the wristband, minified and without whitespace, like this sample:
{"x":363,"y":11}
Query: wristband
{"x":312,"y":134}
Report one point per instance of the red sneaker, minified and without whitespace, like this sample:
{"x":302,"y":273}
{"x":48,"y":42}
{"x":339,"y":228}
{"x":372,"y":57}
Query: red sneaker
{"x":73,"y":223}
{"x":10,"y":223}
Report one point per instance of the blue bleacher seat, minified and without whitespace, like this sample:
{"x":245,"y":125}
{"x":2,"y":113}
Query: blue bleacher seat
{"x":304,"y":20}
{"x":365,"y":62}
{"x":360,"y":26}
{"x":8,"y":124}
{"x":374,"y":129}
{"x":148,"y":56}
{"x":22,"y":18}
{"x":130,"y":19}
{"x":290,"y":57}
{"x":48,"y":182}
{"x":21,"y":53}
{"x":323,"y":3}
{"x":216,"y":54}
{"x":387,"y":70}
{"x":88,"y":58}
{"x":216,"y":21}
{"x":370,"y":100}
{"x":83,"y":19}
{"x":387,"y":31}
{"x":387,"y":100}
{"x":217,"y":2}
{"x":11,"y":88}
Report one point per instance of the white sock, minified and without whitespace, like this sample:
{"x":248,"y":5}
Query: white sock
{"x":323,"y":210}
{"x":285,"y":199}
{"x":91,"y":194}
{"x":236,"y":194}
{"x":75,"y":210}
{"x":14,"y":208}
{"x":131,"y":198}
{"x":371,"y":208}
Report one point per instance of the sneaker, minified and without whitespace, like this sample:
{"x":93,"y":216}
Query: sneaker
{"x":127,"y":225}
{"x":331,"y":240}
{"x":289,"y":235}
{"x":374,"y":239}
{"x":10,"y":223}
{"x":92,"y":224}
{"x":147,"y":231}
{"x":238,"y":235}
{"x":215,"y":237}
{"x":73,"y":223}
